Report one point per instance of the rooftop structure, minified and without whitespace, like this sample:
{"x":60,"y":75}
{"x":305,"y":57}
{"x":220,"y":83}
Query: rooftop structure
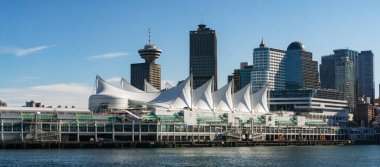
{"x":148,"y":71}
{"x":43,"y":110}
{"x":180,"y":97}
{"x":3,"y":103}
{"x":296,"y":46}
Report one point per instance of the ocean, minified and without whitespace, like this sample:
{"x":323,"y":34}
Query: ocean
{"x":354,"y":155}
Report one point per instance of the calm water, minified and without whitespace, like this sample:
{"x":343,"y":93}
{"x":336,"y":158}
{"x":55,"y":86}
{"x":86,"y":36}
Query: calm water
{"x":235,"y":156}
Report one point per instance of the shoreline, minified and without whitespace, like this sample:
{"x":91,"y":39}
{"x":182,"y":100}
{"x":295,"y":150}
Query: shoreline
{"x":167,"y":144}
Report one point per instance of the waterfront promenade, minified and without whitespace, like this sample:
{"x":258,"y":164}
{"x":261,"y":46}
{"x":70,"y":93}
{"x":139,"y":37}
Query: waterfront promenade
{"x":167,"y":144}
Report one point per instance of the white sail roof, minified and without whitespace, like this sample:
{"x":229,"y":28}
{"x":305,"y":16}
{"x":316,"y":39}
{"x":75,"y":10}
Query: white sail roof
{"x":202,"y":96}
{"x":242,"y":99}
{"x":182,"y":96}
{"x":125,"y":85}
{"x":178,"y":97}
{"x":223,"y":98}
{"x":104,"y":88}
{"x":260,"y":101}
{"x":149,"y":88}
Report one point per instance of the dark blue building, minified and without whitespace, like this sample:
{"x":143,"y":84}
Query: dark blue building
{"x":366,"y":85}
{"x":300,"y":70}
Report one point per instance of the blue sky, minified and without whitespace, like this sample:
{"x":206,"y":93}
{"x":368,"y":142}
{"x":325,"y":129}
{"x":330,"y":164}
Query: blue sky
{"x":52,"y":50}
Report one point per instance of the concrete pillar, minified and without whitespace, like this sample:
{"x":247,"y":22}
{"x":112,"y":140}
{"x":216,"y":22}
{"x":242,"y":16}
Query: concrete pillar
{"x":133,"y":130}
{"x":2,"y":130}
{"x":113,"y":130}
{"x":174,"y":132}
{"x":78,"y":132}
{"x":209,"y":132}
{"x":22,"y":131}
{"x":59,"y":131}
{"x":199,"y":133}
{"x":187,"y":132}
{"x":96,"y":132}
{"x":160,"y":132}
{"x":140,"y":131}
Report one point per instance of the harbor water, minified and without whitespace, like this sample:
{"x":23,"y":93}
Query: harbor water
{"x":354,"y":155}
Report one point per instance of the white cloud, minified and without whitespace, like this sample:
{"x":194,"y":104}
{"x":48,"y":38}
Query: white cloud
{"x":26,"y":79}
{"x":108,"y":55}
{"x":56,"y":94}
{"x":24,"y":51}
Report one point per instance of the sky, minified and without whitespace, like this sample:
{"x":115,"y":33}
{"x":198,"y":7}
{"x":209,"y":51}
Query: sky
{"x":51,"y":51}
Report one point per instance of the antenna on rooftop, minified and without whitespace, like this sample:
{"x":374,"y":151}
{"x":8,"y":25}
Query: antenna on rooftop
{"x":149,"y":35}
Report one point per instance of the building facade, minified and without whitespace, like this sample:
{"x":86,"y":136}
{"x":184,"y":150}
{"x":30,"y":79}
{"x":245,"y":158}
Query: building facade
{"x":345,"y":80}
{"x":241,"y":76}
{"x":203,"y":55}
{"x":366,"y":85}
{"x":350,"y":72}
{"x":245,"y":75}
{"x":319,"y":104}
{"x":149,"y":71}
{"x":353,"y":56}
{"x":268,"y":68}
{"x":327,"y":72}
{"x":364,"y":114}
{"x":300,"y":69}
{"x":235,"y":76}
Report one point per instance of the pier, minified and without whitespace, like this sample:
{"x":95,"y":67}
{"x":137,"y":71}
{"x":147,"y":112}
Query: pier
{"x":121,"y":145}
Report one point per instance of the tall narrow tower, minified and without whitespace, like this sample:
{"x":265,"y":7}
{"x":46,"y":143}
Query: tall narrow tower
{"x":149,"y":71}
{"x":366,"y":85}
{"x":203,"y":56}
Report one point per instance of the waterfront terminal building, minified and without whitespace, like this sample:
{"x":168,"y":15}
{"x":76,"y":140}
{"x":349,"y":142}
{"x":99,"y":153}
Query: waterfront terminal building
{"x":184,"y":114}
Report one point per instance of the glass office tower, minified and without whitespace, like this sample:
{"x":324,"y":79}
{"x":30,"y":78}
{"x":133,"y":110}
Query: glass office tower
{"x":203,"y":56}
{"x":300,"y":70}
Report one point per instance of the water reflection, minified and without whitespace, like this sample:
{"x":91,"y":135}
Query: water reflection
{"x":214,"y":156}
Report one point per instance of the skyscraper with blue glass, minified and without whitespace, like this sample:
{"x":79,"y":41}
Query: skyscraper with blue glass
{"x":353,"y":74}
{"x":366,"y":85}
{"x":301,"y":71}
{"x":327,"y":72}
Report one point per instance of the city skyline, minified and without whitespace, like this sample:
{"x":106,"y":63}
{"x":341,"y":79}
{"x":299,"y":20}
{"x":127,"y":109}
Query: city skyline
{"x":56,"y":48}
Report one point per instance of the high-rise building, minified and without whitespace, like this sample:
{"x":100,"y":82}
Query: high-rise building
{"x":241,"y":76}
{"x":341,"y":54}
{"x":203,"y":56}
{"x":268,"y":68}
{"x":300,"y":70}
{"x":149,"y":71}
{"x":345,"y":80}
{"x":245,"y":75}
{"x":355,"y":77}
{"x":327,"y":72}
{"x":236,"y":77}
{"x":366,"y":85}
